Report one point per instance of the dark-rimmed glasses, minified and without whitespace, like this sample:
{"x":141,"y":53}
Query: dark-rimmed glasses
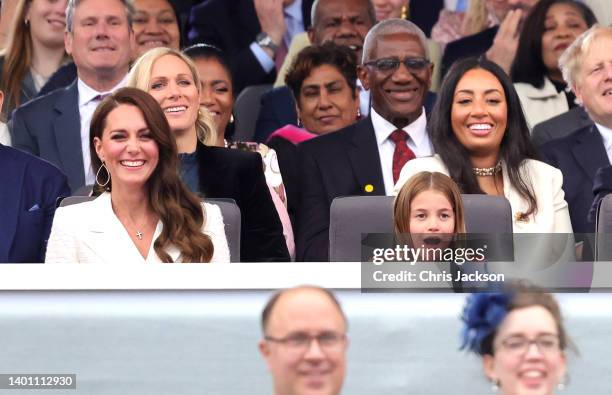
{"x":519,"y":345}
{"x":299,"y":342}
{"x":387,"y":65}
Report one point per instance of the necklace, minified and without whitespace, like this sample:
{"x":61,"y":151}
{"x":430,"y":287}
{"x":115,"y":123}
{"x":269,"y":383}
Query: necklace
{"x":487,"y":171}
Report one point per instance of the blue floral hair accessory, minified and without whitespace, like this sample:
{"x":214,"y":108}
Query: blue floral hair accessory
{"x":481,"y":316}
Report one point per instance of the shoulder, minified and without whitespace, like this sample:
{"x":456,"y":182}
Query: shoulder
{"x":212,"y":211}
{"x":210,"y":8}
{"x":484,"y":37}
{"x":39,"y":168}
{"x":43,"y":104}
{"x":227,"y":156}
{"x":278,"y":93}
{"x":415,"y":166}
{"x":541,"y":171}
{"x":567,"y":142}
{"x":335,"y":140}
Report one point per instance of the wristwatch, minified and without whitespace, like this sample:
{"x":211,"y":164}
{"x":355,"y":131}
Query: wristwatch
{"x":265,"y":41}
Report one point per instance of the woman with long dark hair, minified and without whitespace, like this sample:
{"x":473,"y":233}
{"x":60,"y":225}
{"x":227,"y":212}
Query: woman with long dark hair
{"x":144,"y":213}
{"x":481,"y":140}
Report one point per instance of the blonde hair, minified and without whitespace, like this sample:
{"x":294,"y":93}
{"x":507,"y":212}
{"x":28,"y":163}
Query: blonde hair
{"x":476,"y":17}
{"x":140,"y":77}
{"x":426,"y":181}
{"x":571,"y":59}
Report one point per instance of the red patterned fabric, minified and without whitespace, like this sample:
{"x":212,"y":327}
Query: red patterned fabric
{"x":402,"y":153}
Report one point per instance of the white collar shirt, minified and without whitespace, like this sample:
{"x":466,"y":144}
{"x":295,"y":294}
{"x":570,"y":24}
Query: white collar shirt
{"x":606,"y":135}
{"x":87,"y":106}
{"x":418,"y":141}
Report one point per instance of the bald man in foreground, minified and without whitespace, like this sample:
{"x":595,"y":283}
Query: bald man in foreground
{"x":304,"y":341}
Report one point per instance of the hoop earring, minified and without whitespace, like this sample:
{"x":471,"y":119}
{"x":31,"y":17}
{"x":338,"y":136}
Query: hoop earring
{"x":98,"y":175}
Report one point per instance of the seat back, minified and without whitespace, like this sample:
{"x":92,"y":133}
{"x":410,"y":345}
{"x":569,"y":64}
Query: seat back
{"x":246,"y":109}
{"x":603,"y":227}
{"x":229,"y":210}
{"x":352,"y":216}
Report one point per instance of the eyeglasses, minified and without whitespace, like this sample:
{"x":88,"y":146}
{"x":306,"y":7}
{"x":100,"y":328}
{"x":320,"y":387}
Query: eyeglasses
{"x":387,"y":65}
{"x":519,"y":345}
{"x":300,"y":342}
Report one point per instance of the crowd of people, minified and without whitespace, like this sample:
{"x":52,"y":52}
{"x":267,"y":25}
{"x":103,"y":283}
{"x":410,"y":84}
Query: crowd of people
{"x":520,"y":111}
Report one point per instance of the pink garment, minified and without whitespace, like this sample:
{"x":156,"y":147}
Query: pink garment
{"x":292,"y":133}
{"x":450,"y":26}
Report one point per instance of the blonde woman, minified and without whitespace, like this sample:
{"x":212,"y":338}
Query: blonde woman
{"x":215,"y":172}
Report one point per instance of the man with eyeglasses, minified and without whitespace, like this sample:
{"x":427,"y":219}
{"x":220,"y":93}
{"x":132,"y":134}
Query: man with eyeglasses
{"x":365,"y":158}
{"x":304,"y":341}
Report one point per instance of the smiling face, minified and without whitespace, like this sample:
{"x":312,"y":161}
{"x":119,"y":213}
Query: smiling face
{"x":173,"y":86}
{"x":432,"y":219}
{"x":155,"y":25}
{"x":344,"y":22}
{"x":315,"y":370}
{"x":594,"y":83}
{"x":562,"y":25}
{"x":326,"y":102}
{"x":216,"y":94}
{"x":127,"y":148}
{"x":479,"y":113}
{"x":386,"y":9}
{"x":397,"y":95}
{"x":100,"y":42}
{"x":47,"y":20}
{"x":531,"y":370}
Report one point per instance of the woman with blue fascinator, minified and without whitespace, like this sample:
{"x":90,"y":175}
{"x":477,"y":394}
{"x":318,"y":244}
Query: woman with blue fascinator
{"x":520,"y":336}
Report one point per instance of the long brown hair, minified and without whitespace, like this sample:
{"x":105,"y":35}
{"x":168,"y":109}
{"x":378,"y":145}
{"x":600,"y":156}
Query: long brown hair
{"x":178,"y":208}
{"x":426,"y":181}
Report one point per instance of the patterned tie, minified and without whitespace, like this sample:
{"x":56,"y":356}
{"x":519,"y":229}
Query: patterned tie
{"x":101,"y":97}
{"x":402,"y":153}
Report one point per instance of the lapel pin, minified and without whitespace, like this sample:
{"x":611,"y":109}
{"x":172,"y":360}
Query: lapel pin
{"x":369,"y":188}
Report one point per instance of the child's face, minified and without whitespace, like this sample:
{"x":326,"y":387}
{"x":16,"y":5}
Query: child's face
{"x":432,"y":220}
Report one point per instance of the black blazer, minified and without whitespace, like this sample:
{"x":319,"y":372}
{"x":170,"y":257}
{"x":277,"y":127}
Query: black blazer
{"x":238,"y":175}
{"x":29,"y":189}
{"x":50,"y":127}
{"x":578,"y":156}
{"x":232,"y":25}
{"x":474,"y":45}
{"x":336,"y":164}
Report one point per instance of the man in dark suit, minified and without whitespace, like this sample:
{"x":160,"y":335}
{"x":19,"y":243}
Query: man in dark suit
{"x":344,"y":22}
{"x":29,"y":189}
{"x":55,"y":127}
{"x":560,"y":126}
{"x":255,"y":34}
{"x":366,"y":157}
{"x":499,"y":43}
{"x":582,"y":153}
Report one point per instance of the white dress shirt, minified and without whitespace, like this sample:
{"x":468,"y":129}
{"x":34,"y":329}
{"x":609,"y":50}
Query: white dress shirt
{"x":606,"y":135}
{"x":364,"y":99}
{"x":418,"y":141}
{"x":87,"y":106}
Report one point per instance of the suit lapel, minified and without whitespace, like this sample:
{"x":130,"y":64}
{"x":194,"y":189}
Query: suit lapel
{"x":364,"y":157}
{"x":589,"y":151}
{"x":67,"y":131}
{"x":306,"y":7}
{"x":10,"y":197}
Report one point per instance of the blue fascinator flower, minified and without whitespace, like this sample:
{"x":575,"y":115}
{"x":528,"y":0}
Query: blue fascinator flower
{"x":482,"y":314}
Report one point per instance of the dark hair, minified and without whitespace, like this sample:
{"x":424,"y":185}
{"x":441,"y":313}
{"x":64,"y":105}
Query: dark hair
{"x":178,"y":208}
{"x":528,"y":66}
{"x":338,"y":56}
{"x":267,"y":311}
{"x":314,"y":14}
{"x":516,"y":144}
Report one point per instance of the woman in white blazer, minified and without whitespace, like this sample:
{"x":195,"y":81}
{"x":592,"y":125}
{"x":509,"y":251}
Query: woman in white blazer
{"x":482,"y":142}
{"x":552,"y":25}
{"x":144,"y":212}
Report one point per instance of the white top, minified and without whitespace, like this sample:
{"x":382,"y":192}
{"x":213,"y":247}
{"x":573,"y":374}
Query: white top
{"x":606,"y":135}
{"x":552,"y":215}
{"x":90,"y":232}
{"x":540,"y":104}
{"x":5,"y":136}
{"x":418,"y":142}
{"x":87,"y":106}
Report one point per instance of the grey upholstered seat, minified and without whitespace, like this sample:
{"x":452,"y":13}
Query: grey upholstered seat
{"x":603,"y":248}
{"x":353,"y":215}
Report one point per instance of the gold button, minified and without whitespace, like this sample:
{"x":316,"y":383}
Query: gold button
{"x":369,"y":188}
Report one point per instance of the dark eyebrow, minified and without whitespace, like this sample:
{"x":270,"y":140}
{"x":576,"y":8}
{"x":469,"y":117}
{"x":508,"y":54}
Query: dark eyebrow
{"x":471,"y":92}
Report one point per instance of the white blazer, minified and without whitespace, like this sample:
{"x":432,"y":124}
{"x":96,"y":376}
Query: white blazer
{"x":90,"y":232}
{"x":540,"y":104}
{"x":552,"y":215}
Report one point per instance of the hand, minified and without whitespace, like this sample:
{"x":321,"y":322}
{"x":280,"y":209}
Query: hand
{"x":506,"y":41}
{"x":271,"y":18}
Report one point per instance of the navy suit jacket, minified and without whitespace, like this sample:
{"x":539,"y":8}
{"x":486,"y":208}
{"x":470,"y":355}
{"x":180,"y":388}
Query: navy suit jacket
{"x":278,"y":110}
{"x":29,"y":189}
{"x":578,"y":156}
{"x":232,"y":25}
{"x":332,"y":165}
{"x":50,"y":127}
